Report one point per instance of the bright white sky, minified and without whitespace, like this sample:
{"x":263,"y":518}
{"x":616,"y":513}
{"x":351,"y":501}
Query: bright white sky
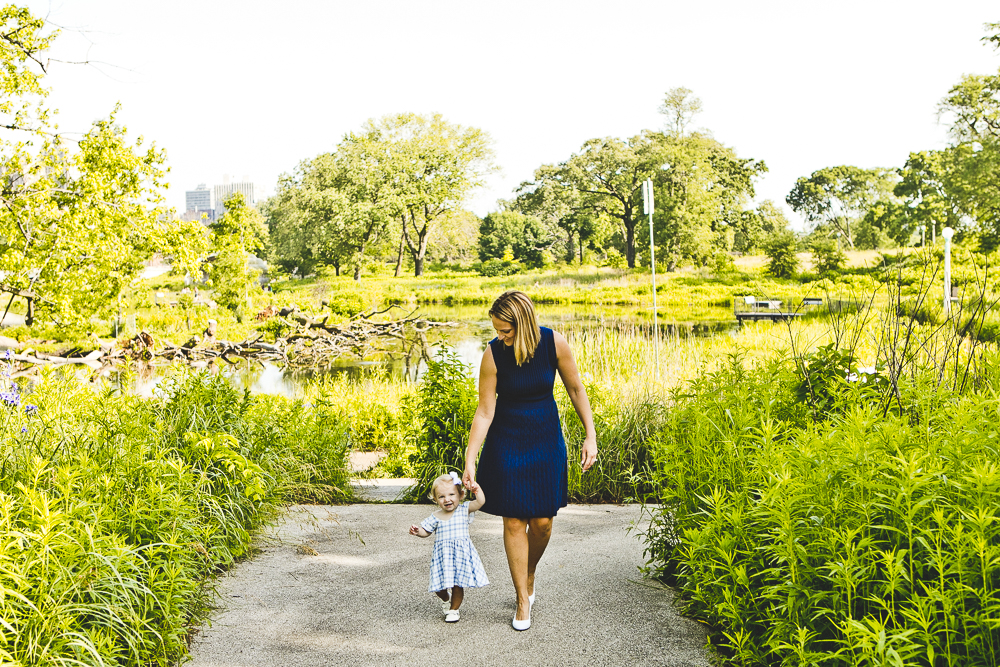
{"x":252,"y":87}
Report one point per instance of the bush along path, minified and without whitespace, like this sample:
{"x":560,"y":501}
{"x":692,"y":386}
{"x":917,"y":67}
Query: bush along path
{"x":817,"y":511}
{"x":114,"y":509}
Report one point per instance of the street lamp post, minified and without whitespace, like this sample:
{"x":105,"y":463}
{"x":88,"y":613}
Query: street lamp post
{"x":947,"y":233}
{"x":647,"y":208}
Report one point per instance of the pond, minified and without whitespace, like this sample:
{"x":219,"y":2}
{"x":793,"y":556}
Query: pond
{"x":467,"y":340}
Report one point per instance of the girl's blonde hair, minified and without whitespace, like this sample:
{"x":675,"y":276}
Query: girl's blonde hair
{"x":514,"y":307}
{"x":441,"y":480}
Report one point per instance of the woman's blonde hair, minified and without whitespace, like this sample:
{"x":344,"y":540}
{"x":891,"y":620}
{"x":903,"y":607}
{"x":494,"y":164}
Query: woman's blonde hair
{"x":447,"y":478}
{"x":514,"y":307}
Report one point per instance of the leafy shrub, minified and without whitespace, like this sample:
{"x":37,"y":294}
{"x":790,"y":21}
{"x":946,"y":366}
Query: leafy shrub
{"x":827,"y":256}
{"x":615,"y":259}
{"x":114,"y":509}
{"x":780,"y":249}
{"x":495,"y":268}
{"x":346,"y":303}
{"x":721,"y":262}
{"x":442,"y":416}
{"x":866,"y":538}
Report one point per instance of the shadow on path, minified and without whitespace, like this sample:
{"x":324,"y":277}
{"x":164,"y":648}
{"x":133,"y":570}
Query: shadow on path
{"x":346,"y":585}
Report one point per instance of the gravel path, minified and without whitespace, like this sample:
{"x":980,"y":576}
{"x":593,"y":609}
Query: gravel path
{"x":346,"y":585}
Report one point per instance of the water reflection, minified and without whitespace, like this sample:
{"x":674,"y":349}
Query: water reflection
{"x":408,"y":360}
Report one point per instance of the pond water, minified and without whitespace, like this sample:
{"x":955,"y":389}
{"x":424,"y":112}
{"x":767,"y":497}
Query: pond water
{"x":467,"y":340}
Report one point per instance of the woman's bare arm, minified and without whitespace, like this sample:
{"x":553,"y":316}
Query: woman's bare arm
{"x":484,"y":416}
{"x":578,"y":395}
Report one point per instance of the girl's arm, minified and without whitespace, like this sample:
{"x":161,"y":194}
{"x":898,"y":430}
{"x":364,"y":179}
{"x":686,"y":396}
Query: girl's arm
{"x":484,"y":416}
{"x":578,"y":395}
{"x":418,"y":531}
{"x":480,"y":498}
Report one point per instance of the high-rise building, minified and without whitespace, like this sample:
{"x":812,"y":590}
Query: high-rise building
{"x":197,"y":202}
{"x":224,"y":192}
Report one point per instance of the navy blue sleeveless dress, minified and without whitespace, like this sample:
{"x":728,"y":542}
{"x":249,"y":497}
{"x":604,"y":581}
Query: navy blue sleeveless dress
{"x":522,"y":468}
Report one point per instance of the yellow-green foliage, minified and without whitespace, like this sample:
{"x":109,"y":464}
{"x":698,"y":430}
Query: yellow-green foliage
{"x":864,"y":533}
{"x":113,"y":509}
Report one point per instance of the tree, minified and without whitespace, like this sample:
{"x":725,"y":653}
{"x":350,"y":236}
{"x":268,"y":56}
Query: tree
{"x":508,"y":231}
{"x":680,"y":107}
{"x":839,"y":197}
{"x":924,"y":198}
{"x":702,"y":191}
{"x":827,"y":256}
{"x":457,"y":239}
{"x":780,"y":249}
{"x":560,"y":209}
{"x":435,"y":165}
{"x":236,"y":235}
{"x":607,"y":175}
{"x":756,"y":225}
{"x":971,"y":167}
{"x":78,"y":218}
{"x":304,"y":223}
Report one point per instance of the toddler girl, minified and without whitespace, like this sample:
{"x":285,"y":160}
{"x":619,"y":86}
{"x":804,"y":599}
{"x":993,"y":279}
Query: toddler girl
{"x":454,"y":563}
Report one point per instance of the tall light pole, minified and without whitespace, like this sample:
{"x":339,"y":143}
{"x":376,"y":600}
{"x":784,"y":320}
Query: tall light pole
{"x":647,"y":208}
{"x":947,"y":233}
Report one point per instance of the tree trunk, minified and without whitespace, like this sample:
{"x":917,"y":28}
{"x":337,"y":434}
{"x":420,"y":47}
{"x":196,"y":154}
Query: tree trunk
{"x":629,"y":225}
{"x":357,"y":272}
{"x":399,"y":254}
{"x":580,"y":246}
{"x":421,"y":252}
{"x":570,"y":248}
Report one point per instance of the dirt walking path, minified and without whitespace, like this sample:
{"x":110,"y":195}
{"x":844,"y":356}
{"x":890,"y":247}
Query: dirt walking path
{"x":346,"y":585}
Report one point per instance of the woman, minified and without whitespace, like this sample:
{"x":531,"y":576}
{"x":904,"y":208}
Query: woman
{"x":523,"y":464}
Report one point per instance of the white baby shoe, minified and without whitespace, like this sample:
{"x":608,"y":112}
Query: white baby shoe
{"x":452,"y":616}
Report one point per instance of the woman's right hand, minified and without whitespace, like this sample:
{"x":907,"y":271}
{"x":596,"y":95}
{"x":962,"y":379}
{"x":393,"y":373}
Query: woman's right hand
{"x":469,"y":477}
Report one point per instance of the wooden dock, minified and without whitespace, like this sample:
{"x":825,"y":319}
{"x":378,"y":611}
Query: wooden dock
{"x":752,"y":309}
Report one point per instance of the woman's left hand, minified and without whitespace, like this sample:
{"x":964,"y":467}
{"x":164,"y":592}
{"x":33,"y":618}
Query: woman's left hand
{"x":589,"y":453}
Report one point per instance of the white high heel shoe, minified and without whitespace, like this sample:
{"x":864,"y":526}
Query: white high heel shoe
{"x":525,"y":624}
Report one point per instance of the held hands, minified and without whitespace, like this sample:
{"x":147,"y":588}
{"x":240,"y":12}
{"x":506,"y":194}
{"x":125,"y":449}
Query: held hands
{"x":469,"y":478}
{"x":589,"y":453}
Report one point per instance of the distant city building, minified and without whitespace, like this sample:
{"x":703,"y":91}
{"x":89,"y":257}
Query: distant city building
{"x":224,"y":192}
{"x":198,"y":202}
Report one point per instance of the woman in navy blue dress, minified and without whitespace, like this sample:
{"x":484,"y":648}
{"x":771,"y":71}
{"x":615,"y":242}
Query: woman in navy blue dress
{"x":522,"y":468}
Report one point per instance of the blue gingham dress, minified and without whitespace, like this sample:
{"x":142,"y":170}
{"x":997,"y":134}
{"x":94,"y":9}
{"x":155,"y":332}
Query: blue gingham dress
{"x":454,"y":561}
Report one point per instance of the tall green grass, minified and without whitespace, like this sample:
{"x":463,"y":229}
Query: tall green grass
{"x":815,"y":512}
{"x":114,"y":510}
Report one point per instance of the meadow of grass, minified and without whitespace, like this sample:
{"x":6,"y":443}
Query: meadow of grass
{"x":114,"y":509}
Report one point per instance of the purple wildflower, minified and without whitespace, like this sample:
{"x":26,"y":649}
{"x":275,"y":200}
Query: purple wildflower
{"x":24,"y":429}
{"x":30,"y":409}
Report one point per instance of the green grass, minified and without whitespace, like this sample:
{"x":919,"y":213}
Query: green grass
{"x":813,"y":520}
{"x":114,"y":510}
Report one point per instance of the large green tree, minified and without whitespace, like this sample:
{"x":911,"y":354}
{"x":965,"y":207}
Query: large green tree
{"x":702,"y":191}
{"x":435,"y":166}
{"x":78,"y":217}
{"x":701,"y":188}
{"x":523,"y":235}
{"x":971,"y":166}
{"x":838,"y":198}
{"x":604,"y":179}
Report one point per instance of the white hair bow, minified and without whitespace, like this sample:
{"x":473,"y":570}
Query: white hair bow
{"x":455,"y":478}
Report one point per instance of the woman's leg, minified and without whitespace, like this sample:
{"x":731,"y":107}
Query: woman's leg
{"x":457,"y":595}
{"x":515,"y":543}
{"x":539,"y":532}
